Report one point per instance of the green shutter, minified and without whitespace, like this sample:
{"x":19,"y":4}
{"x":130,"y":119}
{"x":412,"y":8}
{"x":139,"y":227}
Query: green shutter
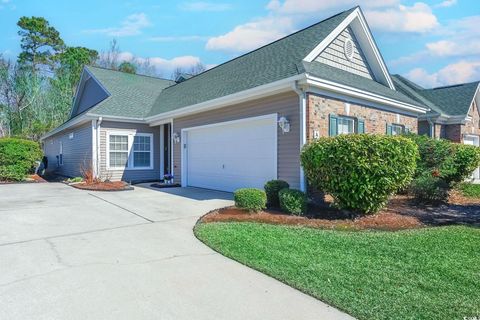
{"x":333,"y":126}
{"x":361,"y":126}
{"x":389,"y":129}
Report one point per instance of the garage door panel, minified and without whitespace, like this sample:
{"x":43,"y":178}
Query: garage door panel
{"x":230,"y":156}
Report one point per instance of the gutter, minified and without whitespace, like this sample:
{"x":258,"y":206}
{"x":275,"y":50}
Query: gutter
{"x":97,"y":155}
{"x":302,"y":97}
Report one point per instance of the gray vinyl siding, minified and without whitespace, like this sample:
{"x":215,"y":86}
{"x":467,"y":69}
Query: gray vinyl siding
{"x":130,"y":175}
{"x":286,"y":104}
{"x":91,"y":95}
{"x":334,"y":56}
{"x":77,"y":151}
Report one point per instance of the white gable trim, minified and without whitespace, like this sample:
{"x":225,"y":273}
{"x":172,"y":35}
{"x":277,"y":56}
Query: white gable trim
{"x":364,"y":37}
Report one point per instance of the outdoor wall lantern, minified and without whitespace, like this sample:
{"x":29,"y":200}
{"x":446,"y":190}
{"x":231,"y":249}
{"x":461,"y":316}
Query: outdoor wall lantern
{"x":284,"y":124}
{"x":176,"y":137}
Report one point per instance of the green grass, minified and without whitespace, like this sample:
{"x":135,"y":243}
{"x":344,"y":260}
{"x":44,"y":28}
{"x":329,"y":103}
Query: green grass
{"x":470,"y":190}
{"x":421,"y":274}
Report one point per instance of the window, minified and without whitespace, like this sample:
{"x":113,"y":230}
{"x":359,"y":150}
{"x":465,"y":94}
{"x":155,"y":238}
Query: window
{"x":130,"y":150}
{"x":118,"y":151}
{"x":141,"y":151}
{"x":345,"y":125}
{"x":395,"y":129}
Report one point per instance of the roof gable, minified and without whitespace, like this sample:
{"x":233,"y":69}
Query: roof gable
{"x":358,"y":28}
{"x":89,"y":93}
{"x":345,"y":53}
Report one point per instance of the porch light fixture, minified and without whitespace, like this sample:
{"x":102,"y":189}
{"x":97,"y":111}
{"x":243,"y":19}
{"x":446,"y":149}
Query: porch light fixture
{"x":176,"y":137}
{"x":284,"y":124}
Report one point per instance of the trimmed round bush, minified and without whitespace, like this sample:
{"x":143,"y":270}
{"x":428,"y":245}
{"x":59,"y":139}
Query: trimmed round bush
{"x":272,"y":188}
{"x":251,"y":199}
{"x":17,"y":158}
{"x":429,"y":189}
{"x":360,"y":171}
{"x":293,"y":201}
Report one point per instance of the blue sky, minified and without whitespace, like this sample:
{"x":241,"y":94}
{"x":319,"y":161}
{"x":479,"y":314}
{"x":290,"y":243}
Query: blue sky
{"x":431,"y":42}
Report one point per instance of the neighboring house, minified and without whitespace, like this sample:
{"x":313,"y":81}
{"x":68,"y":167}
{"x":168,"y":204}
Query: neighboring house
{"x":241,"y":123}
{"x":454,"y":111}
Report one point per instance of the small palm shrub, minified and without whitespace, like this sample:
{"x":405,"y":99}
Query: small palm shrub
{"x":251,"y":199}
{"x":17,"y":158}
{"x":293,"y":201}
{"x":272,"y":188}
{"x":360,"y":171}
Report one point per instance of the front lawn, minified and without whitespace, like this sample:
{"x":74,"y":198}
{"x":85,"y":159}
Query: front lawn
{"x":431,"y":273}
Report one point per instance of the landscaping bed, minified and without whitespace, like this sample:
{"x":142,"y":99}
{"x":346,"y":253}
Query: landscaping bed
{"x":429,"y":273}
{"x":33,"y":178}
{"x":103,"y":186}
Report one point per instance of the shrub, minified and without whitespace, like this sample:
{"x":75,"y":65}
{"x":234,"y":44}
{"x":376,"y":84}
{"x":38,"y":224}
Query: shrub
{"x":272,"y":188}
{"x":360,"y":171}
{"x":452,"y":162}
{"x":17,"y":158}
{"x":428,"y":188}
{"x":293,"y":201}
{"x":251,"y":199}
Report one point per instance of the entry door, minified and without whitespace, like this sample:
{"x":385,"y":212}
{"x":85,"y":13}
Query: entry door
{"x":473,"y":140}
{"x":232,"y":155}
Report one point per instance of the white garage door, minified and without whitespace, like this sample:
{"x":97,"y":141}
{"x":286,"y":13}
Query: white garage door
{"x":231,"y":155}
{"x":473,"y":140}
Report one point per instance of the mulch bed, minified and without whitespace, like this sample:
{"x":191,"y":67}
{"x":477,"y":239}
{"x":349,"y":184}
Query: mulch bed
{"x":401,"y":213}
{"x":33,"y":178}
{"x":103,"y":186}
{"x":382,"y":221}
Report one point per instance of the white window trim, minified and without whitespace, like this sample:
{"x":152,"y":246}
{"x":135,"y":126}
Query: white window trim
{"x":130,"y":135}
{"x":348,"y":118}
{"x":60,"y":155}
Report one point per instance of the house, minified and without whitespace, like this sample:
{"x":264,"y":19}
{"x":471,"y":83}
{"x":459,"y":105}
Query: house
{"x":453,"y":115}
{"x":241,"y":123}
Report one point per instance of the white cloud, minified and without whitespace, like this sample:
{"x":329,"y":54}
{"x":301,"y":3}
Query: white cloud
{"x":286,"y":16}
{"x":131,"y":26}
{"x":205,"y":6}
{"x":458,"y":72}
{"x":178,"y":38}
{"x":417,"y":18}
{"x":163,"y":66}
{"x":252,"y":35}
{"x":446,"y":4}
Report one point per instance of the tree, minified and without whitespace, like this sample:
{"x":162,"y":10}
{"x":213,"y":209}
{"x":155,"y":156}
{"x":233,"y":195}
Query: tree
{"x":127,"y":67}
{"x":40,"y":42}
{"x":109,"y":59}
{"x":188,"y":73}
{"x":72,"y":61}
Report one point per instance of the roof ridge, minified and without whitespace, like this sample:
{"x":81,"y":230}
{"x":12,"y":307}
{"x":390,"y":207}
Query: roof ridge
{"x":134,"y":74}
{"x":266,"y":45}
{"x":455,"y":85}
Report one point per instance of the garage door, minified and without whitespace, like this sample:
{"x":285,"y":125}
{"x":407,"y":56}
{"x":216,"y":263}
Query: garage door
{"x":231,"y":155}
{"x":473,"y":140}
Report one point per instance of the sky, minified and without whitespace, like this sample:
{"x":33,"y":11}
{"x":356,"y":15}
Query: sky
{"x":433,"y":43}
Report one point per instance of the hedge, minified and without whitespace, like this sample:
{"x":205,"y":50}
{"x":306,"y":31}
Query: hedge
{"x":17,"y":158}
{"x":293,"y":201}
{"x":360,"y":171}
{"x":251,"y":199}
{"x":272,"y":188}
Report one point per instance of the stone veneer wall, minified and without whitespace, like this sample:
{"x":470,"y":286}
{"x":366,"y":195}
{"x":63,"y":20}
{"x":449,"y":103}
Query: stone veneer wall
{"x":319,"y":108}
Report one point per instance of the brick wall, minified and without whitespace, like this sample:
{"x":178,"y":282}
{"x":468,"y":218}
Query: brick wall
{"x":473,"y":126}
{"x":319,"y":108}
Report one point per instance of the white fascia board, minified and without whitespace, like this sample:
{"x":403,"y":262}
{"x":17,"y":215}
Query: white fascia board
{"x":446,"y":119}
{"x":117,"y":118}
{"x":276,"y":87}
{"x":357,"y":93}
{"x":81,"y":84}
{"x":357,"y":22}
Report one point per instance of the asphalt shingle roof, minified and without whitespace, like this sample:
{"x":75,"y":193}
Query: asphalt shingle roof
{"x":130,"y":95}
{"x":450,"y":100}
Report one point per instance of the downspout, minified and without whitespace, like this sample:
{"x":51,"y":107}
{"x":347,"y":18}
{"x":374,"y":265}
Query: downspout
{"x":432,"y":128}
{"x":99,"y":123}
{"x":302,"y":95}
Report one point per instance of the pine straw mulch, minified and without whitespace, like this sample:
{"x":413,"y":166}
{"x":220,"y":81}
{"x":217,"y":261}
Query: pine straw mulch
{"x":103,"y":186}
{"x":401,"y":213}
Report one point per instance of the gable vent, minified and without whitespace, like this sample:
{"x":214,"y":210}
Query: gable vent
{"x":348,"y":49}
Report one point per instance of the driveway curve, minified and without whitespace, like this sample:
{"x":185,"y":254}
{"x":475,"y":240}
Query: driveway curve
{"x":73,"y":254}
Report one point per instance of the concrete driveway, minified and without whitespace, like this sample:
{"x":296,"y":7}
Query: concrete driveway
{"x":72,"y":254}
